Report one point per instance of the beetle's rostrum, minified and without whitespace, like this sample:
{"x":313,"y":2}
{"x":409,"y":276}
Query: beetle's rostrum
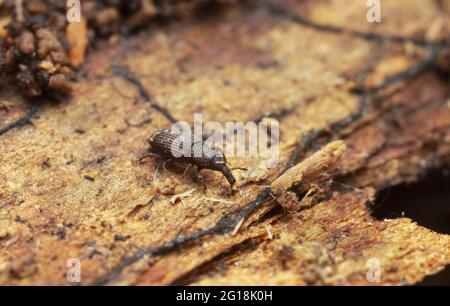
{"x":167,"y":144}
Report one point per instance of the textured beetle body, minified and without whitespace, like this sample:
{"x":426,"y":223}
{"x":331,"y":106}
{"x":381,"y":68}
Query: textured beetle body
{"x":165,"y":143}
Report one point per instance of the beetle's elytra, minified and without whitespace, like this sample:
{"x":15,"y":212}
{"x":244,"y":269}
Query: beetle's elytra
{"x":162,"y":144}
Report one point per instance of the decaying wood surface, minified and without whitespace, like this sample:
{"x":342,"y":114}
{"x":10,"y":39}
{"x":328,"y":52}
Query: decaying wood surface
{"x":71,"y":185}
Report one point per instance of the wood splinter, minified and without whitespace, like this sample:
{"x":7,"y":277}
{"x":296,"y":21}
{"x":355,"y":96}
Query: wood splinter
{"x":314,"y":169}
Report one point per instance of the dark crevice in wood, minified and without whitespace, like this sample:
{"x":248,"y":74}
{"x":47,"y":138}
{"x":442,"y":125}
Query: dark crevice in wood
{"x":435,"y":103}
{"x":24,"y":120}
{"x":441,"y":278}
{"x":425,"y":202}
{"x":216,"y":264}
{"x":307,"y":140}
{"x":127,"y":75}
{"x":422,"y":66}
{"x":276,"y":114}
{"x":290,"y":14}
{"x":312,"y":136}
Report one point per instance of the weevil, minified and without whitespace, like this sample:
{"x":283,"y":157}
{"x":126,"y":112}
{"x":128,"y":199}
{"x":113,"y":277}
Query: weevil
{"x":164,"y":143}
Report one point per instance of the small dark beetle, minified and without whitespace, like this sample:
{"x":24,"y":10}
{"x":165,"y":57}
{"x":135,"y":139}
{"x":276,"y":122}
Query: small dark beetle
{"x":165,"y":143}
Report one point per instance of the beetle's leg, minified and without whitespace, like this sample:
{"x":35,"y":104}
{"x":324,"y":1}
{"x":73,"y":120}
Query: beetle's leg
{"x":155,"y":176}
{"x":198,"y":177}
{"x":189,"y":166}
{"x":164,"y":163}
{"x":149,"y":154}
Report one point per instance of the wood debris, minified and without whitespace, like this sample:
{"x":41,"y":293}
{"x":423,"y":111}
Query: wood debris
{"x":181,"y":196}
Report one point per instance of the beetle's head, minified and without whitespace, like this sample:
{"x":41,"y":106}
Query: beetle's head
{"x":218,"y":159}
{"x":219,"y":162}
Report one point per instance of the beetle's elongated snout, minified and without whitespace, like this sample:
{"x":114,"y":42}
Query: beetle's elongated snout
{"x":228,"y":175}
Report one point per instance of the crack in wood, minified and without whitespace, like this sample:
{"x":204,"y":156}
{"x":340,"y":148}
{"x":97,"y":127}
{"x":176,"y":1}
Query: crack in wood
{"x":419,"y":68}
{"x":289,"y":14}
{"x":24,"y":120}
{"x":214,"y":263}
{"x":126,"y":74}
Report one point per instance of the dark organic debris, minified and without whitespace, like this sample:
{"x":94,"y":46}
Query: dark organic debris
{"x":22,"y":121}
{"x":127,"y":75}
